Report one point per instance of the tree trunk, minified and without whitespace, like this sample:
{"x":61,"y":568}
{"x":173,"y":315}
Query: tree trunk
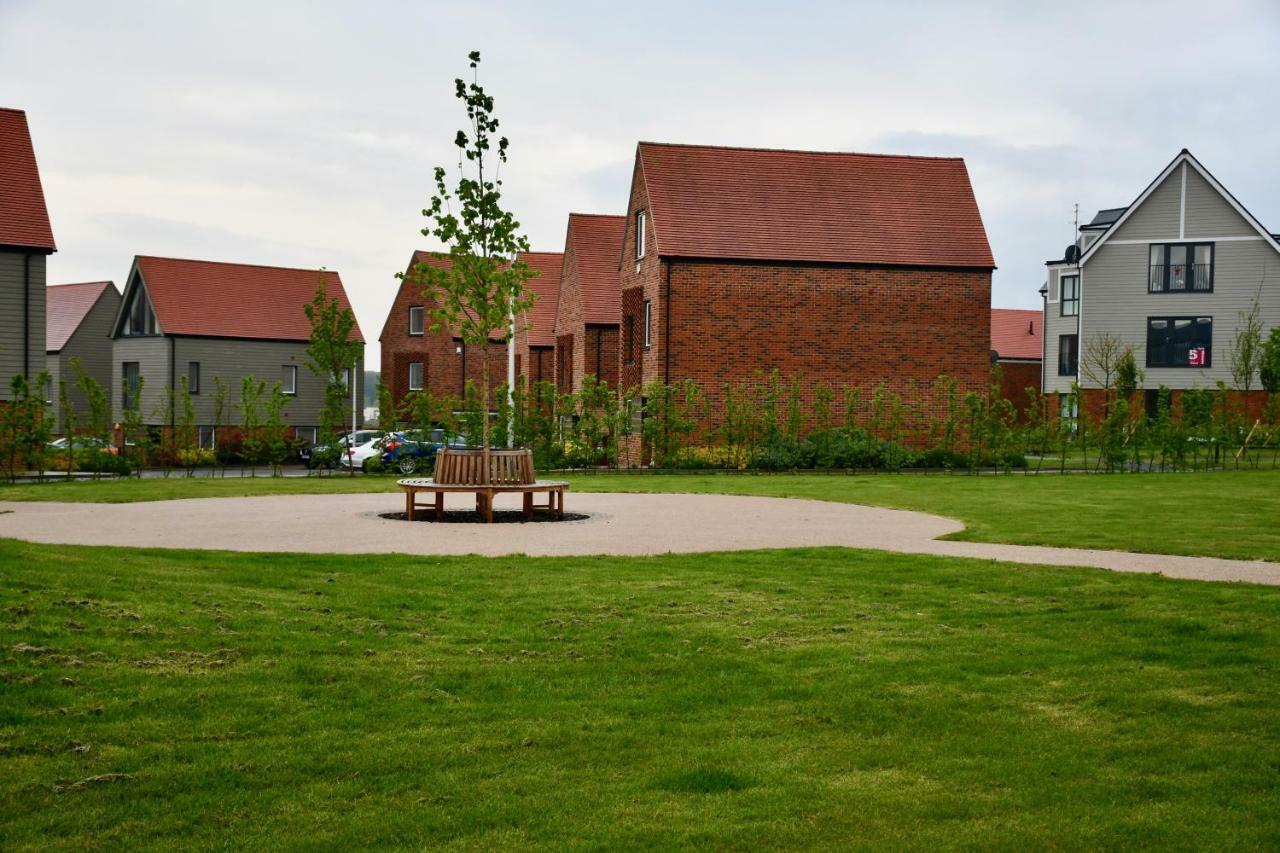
{"x":484,"y":406}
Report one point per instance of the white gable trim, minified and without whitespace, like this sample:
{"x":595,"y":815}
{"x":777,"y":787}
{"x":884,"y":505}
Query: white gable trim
{"x":132,"y":283}
{"x":1182,"y":205}
{"x":1182,"y":160}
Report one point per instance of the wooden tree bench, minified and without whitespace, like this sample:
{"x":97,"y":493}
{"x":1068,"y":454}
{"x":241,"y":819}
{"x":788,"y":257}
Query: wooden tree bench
{"x":510,"y":472}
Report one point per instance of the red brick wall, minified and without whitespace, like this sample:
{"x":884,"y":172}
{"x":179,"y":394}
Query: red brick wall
{"x":542,"y":365}
{"x":1015,"y":378}
{"x":845,"y":326}
{"x":630,"y":351}
{"x":600,"y":354}
{"x":442,"y":364}
{"x":1250,"y":406}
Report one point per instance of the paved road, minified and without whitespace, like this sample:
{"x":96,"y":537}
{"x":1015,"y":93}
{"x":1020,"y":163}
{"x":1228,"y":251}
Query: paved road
{"x":630,"y":524}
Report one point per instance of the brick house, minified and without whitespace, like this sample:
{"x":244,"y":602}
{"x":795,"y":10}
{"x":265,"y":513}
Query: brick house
{"x":850,"y":269}
{"x":589,"y":309}
{"x":1017,"y":344}
{"x":26,"y":241}
{"x":79,"y":323}
{"x":206,"y":319}
{"x":414,"y":357}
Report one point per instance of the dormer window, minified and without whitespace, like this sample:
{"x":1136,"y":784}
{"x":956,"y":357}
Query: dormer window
{"x":640,"y":217}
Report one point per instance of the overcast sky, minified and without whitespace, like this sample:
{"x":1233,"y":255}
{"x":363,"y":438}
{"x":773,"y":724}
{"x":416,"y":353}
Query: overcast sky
{"x":304,"y":134}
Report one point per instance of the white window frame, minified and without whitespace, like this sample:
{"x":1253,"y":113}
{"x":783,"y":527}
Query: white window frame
{"x":641,"y":218}
{"x":420,"y":313}
{"x":211,"y":433}
{"x":648,"y":323}
{"x":416,"y":386}
{"x":193,"y":377}
{"x":289,"y":380}
{"x":307,"y":434}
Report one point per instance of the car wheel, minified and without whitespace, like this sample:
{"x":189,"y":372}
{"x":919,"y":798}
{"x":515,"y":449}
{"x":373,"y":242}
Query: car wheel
{"x":407,"y":464}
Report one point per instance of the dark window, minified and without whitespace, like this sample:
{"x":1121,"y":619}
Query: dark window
{"x":139,"y":319}
{"x":193,"y":377}
{"x":1068,"y":354}
{"x":416,"y":320}
{"x":1070,"y":295}
{"x":629,"y":336}
{"x":415,"y":376}
{"x":648,"y":323}
{"x":1156,"y":399}
{"x":129,"y":398}
{"x":1181,"y":268}
{"x":1179,"y":342}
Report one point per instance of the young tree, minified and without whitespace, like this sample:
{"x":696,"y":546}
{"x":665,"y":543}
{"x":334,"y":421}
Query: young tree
{"x":98,"y":405}
{"x":221,"y":409}
{"x":186,"y":434}
{"x":1269,"y":365}
{"x":1099,"y":362}
{"x":482,"y":288}
{"x":134,"y":424}
{"x":332,"y":351}
{"x":67,"y":418}
{"x":1247,"y":350}
{"x":251,"y":394}
{"x":275,"y":442}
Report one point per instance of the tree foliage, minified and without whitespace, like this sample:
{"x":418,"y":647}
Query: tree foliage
{"x":482,"y":286}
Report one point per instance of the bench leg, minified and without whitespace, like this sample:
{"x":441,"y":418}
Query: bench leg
{"x":439,"y":506}
{"x":408,"y":504}
{"x":528,"y":505}
{"x":560,"y":503}
{"x":488,"y":508}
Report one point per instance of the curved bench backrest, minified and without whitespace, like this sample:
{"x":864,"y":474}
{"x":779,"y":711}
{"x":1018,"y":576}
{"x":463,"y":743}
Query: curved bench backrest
{"x":466,"y":468}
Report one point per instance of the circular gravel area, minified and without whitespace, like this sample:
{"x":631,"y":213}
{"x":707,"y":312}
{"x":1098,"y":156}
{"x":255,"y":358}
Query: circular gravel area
{"x":621,"y":524}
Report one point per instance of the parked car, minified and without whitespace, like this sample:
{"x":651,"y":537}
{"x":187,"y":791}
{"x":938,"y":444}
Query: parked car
{"x":83,"y":442}
{"x":414,"y":450}
{"x":314,"y":456}
{"x":359,"y":455}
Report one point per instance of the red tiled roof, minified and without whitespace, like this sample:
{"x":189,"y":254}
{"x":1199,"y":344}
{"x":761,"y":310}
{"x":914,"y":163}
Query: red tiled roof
{"x":597,"y":244}
{"x":224,"y":300}
{"x":24,"y":219}
{"x":758,"y":204}
{"x":1017,"y":333}
{"x":65,"y":308}
{"x":546,"y":287}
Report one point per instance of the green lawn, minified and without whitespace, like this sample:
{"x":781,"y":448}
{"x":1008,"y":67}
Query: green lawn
{"x":764,"y":699}
{"x":1223,"y":514}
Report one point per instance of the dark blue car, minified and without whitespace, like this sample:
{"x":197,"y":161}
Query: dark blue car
{"x":413,"y":451}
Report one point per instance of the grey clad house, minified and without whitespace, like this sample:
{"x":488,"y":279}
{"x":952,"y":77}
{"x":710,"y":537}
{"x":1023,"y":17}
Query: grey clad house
{"x":26,"y":241}
{"x":205,"y":321}
{"x":79,"y":322}
{"x":1168,"y":275}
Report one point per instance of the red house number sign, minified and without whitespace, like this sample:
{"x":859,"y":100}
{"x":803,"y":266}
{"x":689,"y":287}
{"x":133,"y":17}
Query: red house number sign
{"x":1196,"y":358}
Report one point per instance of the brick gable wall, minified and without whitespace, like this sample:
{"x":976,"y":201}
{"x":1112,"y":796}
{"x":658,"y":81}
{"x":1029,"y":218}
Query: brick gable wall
{"x":443,"y":365}
{"x":842,"y":325}
{"x":582,"y":349}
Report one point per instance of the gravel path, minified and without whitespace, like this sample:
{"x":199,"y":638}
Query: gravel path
{"x":624,"y":524}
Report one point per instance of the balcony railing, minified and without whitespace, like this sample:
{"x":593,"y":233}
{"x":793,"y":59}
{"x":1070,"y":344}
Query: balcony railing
{"x":1181,"y":278}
